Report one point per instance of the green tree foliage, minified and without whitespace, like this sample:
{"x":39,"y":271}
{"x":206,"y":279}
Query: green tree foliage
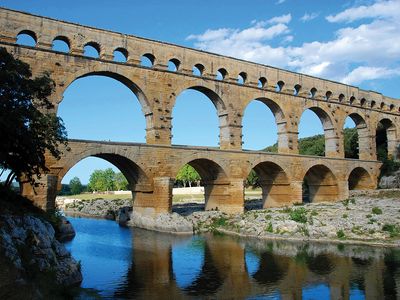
{"x":75,"y":186}
{"x":187,"y":175}
{"x":107,"y":180}
{"x":350,"y":142}
{"x":252,"y":180}
{"x":26,"y":130}
{"x":120,"y":182}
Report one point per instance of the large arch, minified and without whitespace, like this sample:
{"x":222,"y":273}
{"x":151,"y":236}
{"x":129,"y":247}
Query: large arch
{"x":363,"y":136}
{"x":386,"y":139}
{"x":320,"y":185}
{"x":360,"y":179}
{"x":93,"y":97}
{"x":274,"y":183}
{"x":279,"y":118}
{"x":214,"y":179}
{"x":330,"y":133}
{"x":221,"y":116}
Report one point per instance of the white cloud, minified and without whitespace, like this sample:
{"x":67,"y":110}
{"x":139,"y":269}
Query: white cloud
{"x":285,"y":19}
{"x":368,"y":51}
{"x":280,"y":1}
{"x":380,"y":9}
{"x":308,"y":17}
{"x":361,"y":74}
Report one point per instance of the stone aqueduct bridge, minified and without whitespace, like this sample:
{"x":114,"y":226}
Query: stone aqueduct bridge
{"x":151,"y":168}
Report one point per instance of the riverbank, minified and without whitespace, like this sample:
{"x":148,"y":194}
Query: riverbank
{"x":367,"y":217}
{"x":34,"y":263}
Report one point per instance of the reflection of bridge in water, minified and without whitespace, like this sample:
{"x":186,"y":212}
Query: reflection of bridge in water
{"x":232,"y":269}
{"x":151,"y":168}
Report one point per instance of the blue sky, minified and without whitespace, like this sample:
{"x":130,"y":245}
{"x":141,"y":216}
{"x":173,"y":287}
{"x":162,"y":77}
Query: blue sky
{"x":355,"y":42}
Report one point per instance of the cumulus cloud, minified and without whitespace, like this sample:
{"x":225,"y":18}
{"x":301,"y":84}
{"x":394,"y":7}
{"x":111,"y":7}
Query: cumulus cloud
{"x":308,"y":17}
{"x":368,"y":51}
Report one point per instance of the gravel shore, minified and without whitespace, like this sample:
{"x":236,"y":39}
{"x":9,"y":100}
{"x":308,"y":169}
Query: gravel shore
{"x":371,"y":217}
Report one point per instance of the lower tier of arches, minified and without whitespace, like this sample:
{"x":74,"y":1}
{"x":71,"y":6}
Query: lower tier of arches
{"x":151,"y":172}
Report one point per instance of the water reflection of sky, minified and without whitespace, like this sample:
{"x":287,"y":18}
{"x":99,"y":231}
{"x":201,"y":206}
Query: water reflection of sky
{"x":187,"y":261}
{"x":105,"y":252}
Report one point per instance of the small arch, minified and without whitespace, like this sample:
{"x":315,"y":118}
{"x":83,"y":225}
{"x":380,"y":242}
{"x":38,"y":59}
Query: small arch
{"x":319,"y":185}
{"x":373,"y":104}
{"x":147,"y":60}
{"x":27,"y":38}
{"x":61,"y":44}
{"x":363,"y":102}
{"x":352,"y":99}
{"x":173,"y":64}
{"x":360,"y":179}
{"x":279,"y":86}
{"x":242,"y":77}
{"x":297,"y":89}
{"x":382,"y":106}
{"x":328,"y":94}
{"x":120,"y":55}
{"x":313,"y":92}
{"x":391,"y":107}
{"x":262,"y":81}
{"x":91,"y":49}
{"x":198,"y":70}
{"x":221,"y":74}
{"x":341,"y":98}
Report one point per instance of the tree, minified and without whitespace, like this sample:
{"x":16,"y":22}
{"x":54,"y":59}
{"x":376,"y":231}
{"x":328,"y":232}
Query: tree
{"x":102,"y":180}
{"x":27,"y":132}
{"x":187,"y":175}
{"x":120,"y":182}
{"x":75,"y":186}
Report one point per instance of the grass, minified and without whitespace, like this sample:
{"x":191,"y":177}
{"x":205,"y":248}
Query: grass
{"x":340,"y":234}
{"x":298,"y":215}
{"x":376,"y":210}
{"x":392,"y":229}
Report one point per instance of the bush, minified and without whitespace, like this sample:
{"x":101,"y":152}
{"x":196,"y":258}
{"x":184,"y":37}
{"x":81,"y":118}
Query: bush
{"x":299,"y":215}
{"x":392,"y":229}
{"x":340,"y":234}
{"x":269,"y":228}
{"x":376,"y":211}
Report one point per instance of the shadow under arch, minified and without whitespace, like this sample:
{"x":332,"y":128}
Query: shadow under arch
{"x":360,"y":179}
{"x":319,"y":185}
{"x":321,"y":264}
{"x":213,"y":178}
{"x":274,"y":183}
{"x":330,"y":134}
{"x":280,"y":120}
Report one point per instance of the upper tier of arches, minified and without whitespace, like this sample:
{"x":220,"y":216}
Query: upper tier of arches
{"x":132,"y":49}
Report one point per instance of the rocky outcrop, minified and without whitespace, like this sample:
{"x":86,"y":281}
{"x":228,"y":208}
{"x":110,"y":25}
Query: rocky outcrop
{"x":31,"y":251}
{"x":390,"y":181}
{"x":64,"y":230}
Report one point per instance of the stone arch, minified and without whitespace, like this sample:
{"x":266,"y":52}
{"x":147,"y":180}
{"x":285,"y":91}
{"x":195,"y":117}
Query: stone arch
{"x":330,"y":132}
{"x":360,"y":179}
{"x":284,"y":143}
{"x":274,"y":182}
{"x":214,"y":178}
{"x":386,"y":139}
{"x":216,"y":101}
{"x":364,"y":141}
{"x":64,"y":39}
{"x":136,"y":90}
{"x":320,"y":184}
{"x":123,"y":51}
{"x":30,"y":33}
{"x":94,"y":45}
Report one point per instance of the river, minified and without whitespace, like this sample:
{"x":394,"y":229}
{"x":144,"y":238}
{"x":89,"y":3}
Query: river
{"x":126,"y":263}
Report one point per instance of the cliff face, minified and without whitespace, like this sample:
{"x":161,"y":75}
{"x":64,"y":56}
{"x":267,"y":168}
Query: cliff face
{"x":32,"y":258}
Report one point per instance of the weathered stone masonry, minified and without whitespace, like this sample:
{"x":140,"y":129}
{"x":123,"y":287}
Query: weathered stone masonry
{"x":152,"y":167}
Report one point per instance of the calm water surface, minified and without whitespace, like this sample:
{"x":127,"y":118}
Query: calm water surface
{"x":123,"y":263}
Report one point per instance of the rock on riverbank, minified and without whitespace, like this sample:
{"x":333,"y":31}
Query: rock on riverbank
{"x":32,"y":254}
